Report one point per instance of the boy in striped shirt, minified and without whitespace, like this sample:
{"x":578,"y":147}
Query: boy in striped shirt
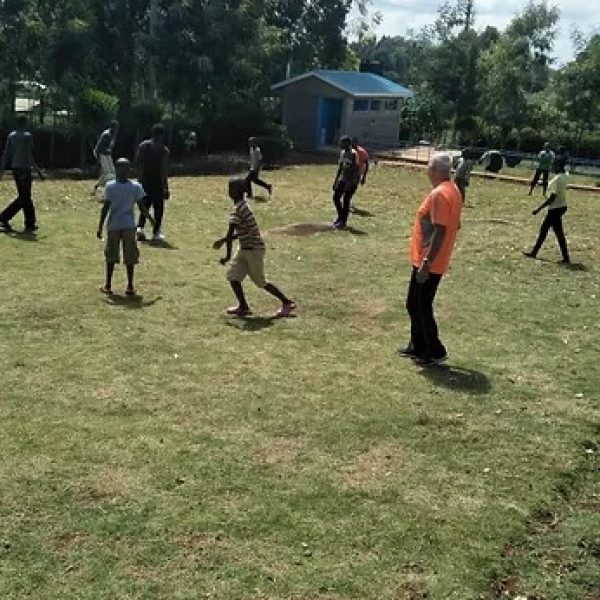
{"x":250,"y":258}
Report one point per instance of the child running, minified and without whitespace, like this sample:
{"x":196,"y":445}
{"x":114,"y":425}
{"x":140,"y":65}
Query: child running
{"x":249,"y":260}
{"x":121,"y":197}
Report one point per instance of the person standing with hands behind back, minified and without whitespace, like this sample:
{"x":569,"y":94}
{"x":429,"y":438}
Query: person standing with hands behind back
{"x":433,"y":238}
{"x":121,"y":197}
{"x":18,"y":156}
{"x":557,"y":207}
{"x":103,"y":151}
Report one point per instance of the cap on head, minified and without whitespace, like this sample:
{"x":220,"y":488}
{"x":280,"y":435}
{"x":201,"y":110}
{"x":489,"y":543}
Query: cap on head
{"x":546,"y":145}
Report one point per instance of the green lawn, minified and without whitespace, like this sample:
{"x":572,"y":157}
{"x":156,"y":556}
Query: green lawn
{"x":155,"y":449}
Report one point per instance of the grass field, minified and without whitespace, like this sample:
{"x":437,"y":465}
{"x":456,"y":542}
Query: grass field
{"x":155,"y":449}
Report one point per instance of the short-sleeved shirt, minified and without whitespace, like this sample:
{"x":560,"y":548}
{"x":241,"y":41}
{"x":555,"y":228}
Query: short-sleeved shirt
{"x":105,"y":143}
{"x":122,"y":197}
{"x":443,"y":206}
{"x":19,"y":147}
{"x":545,"y":160}
{"x":463,"y":170}
{"x":350,"y":170}
{"x":255,"y":158}
{"x":558,"y":186}
{"x":246,"y":227}
{"x":363,"y":159}
{"x":152,"y":157}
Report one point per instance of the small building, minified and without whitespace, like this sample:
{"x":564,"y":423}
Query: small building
{"x":320,"y":106}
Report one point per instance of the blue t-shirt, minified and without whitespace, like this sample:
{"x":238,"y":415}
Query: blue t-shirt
{"x":122,"y":197}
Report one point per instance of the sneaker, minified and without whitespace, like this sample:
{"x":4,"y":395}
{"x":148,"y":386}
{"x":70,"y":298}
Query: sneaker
{"x":4,"y":226}
{"x":31,"y":229}
{"x":158,"y":237}
{"x":286,"y":310}
{"x":238,"y":311}
{"x":141,"y":235}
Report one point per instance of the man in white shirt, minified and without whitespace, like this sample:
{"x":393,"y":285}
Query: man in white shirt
{"x":103,"y":153}
{"x":255,"y":167}
{"x":557,"y":207}
{"x":121,"y":197}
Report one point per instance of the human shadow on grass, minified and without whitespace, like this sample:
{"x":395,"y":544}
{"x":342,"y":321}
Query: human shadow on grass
{"x":22,"y":236}
{"x":131,"y":302}
{"x":251,"y":324}
{"x":458,"y":379}
{"x":360,"y":212}
{"x":307,"y":229}
{"x":578,"y":267}
{"x":161,"y":244}
{"x":259,"y":199}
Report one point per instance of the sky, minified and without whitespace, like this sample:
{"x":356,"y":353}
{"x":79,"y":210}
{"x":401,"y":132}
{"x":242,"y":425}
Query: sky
{"x":400,"y":15}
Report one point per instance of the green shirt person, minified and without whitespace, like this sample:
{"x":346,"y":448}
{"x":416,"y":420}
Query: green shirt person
{"x":545,"y":161}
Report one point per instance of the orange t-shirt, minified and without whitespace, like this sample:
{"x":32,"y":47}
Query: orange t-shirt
{"x":443,"y":206}
{"x":363,"y":159}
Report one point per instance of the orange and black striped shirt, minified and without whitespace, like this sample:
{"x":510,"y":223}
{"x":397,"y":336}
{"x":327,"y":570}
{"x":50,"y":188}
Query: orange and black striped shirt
{"x":246,"y":227}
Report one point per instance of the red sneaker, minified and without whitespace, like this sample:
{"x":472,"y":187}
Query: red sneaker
{"x":286,"y":310}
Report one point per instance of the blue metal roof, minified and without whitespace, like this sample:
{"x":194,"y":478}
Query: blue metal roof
{"x":354,"y":83}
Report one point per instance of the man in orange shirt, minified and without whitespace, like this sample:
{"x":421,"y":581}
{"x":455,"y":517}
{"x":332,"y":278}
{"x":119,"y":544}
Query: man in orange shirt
{"x":433,"y":238}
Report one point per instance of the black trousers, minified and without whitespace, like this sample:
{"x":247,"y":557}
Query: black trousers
{"x":424,"y":336}
{"x":342,"y":199}
{"x":553,"y":221}
{"x":536,"y":177}
{"x":154,"y":200}
{"x":23,"y":200}
{"x":253,"y":177}
{"x":462,"y":185}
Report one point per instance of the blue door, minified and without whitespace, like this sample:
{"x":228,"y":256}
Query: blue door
{"x":330,"y":121}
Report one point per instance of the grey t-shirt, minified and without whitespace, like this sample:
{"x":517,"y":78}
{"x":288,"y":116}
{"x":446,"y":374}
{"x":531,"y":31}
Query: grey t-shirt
{"x":122,"y":197}
{"x":19,"y":147}
{"x":105,"y":143}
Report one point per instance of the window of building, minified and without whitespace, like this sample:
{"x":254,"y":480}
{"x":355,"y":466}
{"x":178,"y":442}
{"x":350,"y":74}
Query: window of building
{"x":391,"y":104}
{"x":361,"y":105}
{"x":375,"y":105}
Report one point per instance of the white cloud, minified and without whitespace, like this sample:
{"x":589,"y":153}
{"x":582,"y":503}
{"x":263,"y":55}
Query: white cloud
{"x":401,"y":15}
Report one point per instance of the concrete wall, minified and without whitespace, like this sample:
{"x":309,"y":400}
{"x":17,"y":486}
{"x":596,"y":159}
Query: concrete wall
{"x":376,"y":128}
{"x":300,"y":109}
{"x":300,"y":115}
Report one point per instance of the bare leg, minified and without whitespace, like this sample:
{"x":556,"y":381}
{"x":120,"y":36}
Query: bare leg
{"x":275,"y":291}
{"x":238,"y":290}
{"x":110,"y":269}
{"x":130,"y":274}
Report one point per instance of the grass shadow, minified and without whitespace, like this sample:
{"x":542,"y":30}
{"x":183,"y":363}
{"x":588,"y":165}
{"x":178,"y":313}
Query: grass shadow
{"x":307,"y":229}
{"x":161,"y":244}
{"x":260,"y":199}
{"x":359,"y":212}
{"x":580,"y":267}
{"x":251,"y":324}
{"x":22,"y":236}
{"x":131,"y":302}
{"x":458,"y":379}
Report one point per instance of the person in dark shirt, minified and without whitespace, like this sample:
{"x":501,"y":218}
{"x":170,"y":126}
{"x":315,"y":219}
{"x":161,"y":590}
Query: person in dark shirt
{"x":346,"y":182}
{"x":18,"y":157}
{"x":151,"y":161}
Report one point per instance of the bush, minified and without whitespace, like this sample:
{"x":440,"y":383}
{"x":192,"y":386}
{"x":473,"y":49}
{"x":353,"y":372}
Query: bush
{"x":95,"y":108}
